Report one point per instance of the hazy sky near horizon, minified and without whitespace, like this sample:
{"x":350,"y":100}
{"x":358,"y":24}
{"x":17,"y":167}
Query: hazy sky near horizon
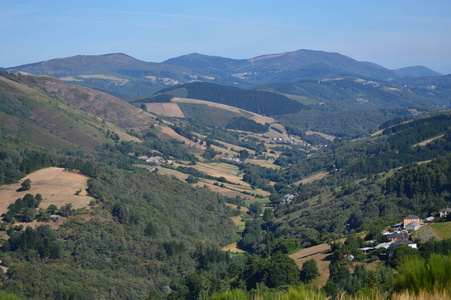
{"x":392,"y":33}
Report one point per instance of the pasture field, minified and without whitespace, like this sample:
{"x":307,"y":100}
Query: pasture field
{"x":170,"y":172}
{"x":56,"y":185}
{"x":443,"y":229}
{"x":228,"y":171}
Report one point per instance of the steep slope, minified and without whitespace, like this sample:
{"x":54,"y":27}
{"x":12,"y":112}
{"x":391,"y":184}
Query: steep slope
{"x":117,"y":74}
{"x":93,"y":102}
{"x":49,"y":119}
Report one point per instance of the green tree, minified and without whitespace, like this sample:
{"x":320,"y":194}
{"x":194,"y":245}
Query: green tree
{"x":192,"y":179}
{"x":52,"y":209}
{"x":244,"y":154}
{"x":309,"y":271}
{"x":275,"y":199}
{"x":402,"y":252}
{"x":282,"y":271}
{"x":150,"y":230}
{"x":26,"y":185}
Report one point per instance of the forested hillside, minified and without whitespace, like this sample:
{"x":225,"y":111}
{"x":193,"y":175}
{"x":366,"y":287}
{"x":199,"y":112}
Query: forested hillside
{"x":361,"y":185}
{"x":264,"y":103}
{"x":143,"y":226}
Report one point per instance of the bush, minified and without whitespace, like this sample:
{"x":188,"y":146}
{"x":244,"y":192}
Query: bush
{"x":418,"y":275}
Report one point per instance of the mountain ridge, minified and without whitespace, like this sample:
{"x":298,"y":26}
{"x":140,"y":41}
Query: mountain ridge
{"x":129,"y":78}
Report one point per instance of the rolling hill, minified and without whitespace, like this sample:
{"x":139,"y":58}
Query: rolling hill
{"x":54,"y":114}
{"x":260,"y":102}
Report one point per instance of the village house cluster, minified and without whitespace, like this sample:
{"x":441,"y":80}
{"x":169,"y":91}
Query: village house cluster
{"x":403,"y":231}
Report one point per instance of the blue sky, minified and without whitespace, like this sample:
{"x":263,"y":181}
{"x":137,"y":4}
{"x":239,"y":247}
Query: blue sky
{"x":392,"y":33}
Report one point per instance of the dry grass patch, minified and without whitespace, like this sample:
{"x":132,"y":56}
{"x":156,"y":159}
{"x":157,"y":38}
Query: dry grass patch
{"x":321,"y":254}
{"x":165,"y":109}
{"x":228,"y":171}
{"x":56,"y":186}
{"x":424,"y":143}
{"x":314,"y":177}
{"x":171,"y":133}
{"x":233,"y":249}
{"x":170,"y":172}
{"x":263,"y":163}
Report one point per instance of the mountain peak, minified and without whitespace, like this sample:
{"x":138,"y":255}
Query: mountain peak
{"x":416,"y":71}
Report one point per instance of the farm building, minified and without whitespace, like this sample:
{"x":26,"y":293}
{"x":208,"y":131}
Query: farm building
{"x":411,"y":218}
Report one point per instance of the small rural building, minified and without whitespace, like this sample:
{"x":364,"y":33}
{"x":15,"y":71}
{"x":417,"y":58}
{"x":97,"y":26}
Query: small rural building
{"x":366,"y":249}
{"x":288,"y":198}
{"x":406,"y":242}
{"x":444,"y":212}
{"x":156,"y":168}
{"x":383,"y":245}
{"x":413,"y":226}
{"x":429,"y":219}
{"x":411,"y":218}
{"x":348,"y":257}
{"x":398,"y":226}
{"x":55,"y":217}
{"x":394,"y":236}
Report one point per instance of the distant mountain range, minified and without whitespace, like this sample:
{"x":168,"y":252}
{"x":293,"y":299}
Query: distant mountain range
{"x":129,"y":78}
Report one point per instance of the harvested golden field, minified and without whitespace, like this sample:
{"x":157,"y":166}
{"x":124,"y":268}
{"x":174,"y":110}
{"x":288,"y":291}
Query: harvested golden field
{"x":170,"y":172}
{"x":170,"y":132}
{"x":165,"y":109}
{"x":314,"y":177}
{"x":257,"y":118}
{"x":233,"y":249}
{"x":56,"y":186}
{"x":424,"y":143}
{"x":228,"y":171}
{"x":321,"y":254}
